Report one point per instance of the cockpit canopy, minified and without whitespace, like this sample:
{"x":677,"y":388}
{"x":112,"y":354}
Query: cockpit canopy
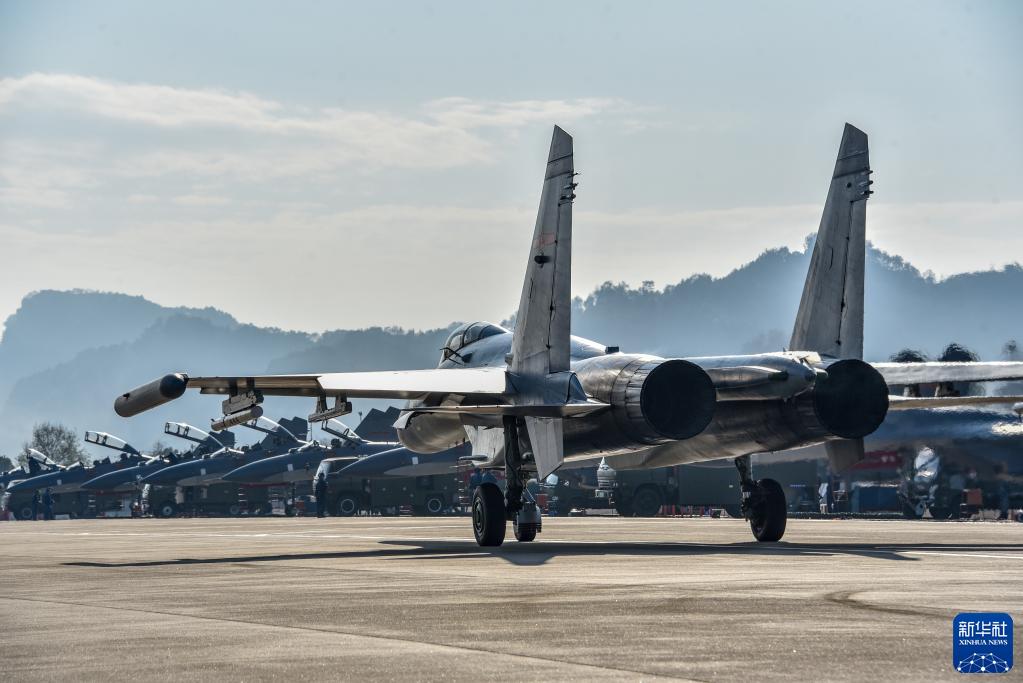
{"x":466,"y":334}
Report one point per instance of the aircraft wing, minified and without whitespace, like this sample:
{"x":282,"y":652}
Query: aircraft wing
{"x":407,"y":384}
{"x":933,"y":372}
{"x":401,"y":384}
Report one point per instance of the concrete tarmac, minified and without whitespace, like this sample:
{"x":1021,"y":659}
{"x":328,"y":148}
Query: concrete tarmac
{"x":416,"y":599}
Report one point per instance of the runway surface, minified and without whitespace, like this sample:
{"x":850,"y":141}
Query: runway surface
{"x":416,"y":599}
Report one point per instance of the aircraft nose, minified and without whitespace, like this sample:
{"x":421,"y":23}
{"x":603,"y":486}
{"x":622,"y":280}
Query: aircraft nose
{"x":168,"y":475}
{"x":39,"y":482}
{"x":378,"y":465}
{"x":254,"y":472}
{"x":108,"y":481}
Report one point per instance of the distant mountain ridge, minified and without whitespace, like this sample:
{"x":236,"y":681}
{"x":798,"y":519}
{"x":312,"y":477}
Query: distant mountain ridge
{"x":64,"y":356}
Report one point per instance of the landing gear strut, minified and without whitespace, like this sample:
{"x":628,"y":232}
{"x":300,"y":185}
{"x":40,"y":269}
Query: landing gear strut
{"x":763,"y":503}
{"x":490,"y":513}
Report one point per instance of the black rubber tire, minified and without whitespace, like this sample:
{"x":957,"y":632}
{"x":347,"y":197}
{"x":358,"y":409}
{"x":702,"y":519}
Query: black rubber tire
{"x":646,"y":501}
{"x":167,"y":509}
{"x":768,"y":518}
{"x":346,"y":505}
{"x":433,"y":506}
{"x":25,"y":513}
{"x":489,"y":519}
{"x":942,"y":512}
{"x":525,"y":533}
{"x":234,"y":510}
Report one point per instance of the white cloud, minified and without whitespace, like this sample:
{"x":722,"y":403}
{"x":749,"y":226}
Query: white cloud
{"x":462,"y":112}
{"x":445,"y":135}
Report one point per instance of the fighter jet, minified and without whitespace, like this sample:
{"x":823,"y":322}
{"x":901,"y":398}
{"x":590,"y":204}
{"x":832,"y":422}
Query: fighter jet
{"x":532,"y":398}
{"x":401,"y":462}
{"x":71,"y":479}
{"x":130,"y":478}
{"x":37,"y":463}
{"x":300,"y":463}
{"x":210,"y":468}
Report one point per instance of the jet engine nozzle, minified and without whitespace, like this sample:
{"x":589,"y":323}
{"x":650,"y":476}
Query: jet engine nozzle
{"x":156,"y":393}
{"x":850,"y":402}
{"x":652,"y":400}
{"x":675,"y":399}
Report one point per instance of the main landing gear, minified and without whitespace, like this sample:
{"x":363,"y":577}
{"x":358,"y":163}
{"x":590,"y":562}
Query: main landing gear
{"x":491,"y":511}
{"x":763,"y":503}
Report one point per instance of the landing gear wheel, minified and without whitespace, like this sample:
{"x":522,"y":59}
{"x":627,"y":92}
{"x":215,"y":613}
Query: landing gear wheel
{"x":767,"y":511}
{"x":346,"y":505}
{"x":166,"y":509}
{"x":434,"y":505}
{"x":524,"y":533}
{"x":489,"y":517}
{"x":646,"y":502}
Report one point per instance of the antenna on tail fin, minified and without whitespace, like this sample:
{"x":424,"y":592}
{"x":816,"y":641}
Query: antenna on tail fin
{"x":830,"y":317}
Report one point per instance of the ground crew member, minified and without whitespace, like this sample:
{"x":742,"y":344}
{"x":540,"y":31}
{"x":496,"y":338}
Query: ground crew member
{"x":35,"y":505}
{"x":320,"y":490}
{"x":48,"y":504}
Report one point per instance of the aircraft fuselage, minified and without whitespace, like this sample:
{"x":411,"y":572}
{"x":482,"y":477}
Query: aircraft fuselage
{"x":789,"y":411}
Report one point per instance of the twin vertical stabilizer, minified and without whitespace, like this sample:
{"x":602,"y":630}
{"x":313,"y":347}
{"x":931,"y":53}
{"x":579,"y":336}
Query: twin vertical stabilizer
{"x":540,"y":344}
{"x":830,"y":317}
{"x":541,"y":341}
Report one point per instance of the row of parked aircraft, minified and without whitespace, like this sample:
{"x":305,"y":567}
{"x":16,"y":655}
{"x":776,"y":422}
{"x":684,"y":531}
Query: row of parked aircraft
{"x":285,"y":455}
{"x":532,"y":399}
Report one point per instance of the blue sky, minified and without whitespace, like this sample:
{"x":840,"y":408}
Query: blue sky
{"x":380,"y":162}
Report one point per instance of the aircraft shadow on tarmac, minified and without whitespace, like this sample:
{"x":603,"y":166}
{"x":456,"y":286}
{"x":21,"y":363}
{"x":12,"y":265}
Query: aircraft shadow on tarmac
{"x":541,"y":553}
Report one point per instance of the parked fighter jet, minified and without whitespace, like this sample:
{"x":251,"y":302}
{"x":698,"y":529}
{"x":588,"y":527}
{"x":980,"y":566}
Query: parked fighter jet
{"x":71,"y":479}
{"x":530,"y":399}
{"x":210,"y":468}
{"x":300,"y":463}
{"x":130,"y":478}
{"x":37,"y":463}
{"x":401,"y":462}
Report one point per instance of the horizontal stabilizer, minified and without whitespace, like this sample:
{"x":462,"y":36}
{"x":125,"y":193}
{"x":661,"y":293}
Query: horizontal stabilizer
{"x":935,"y":372}
{"x":910,"y":403}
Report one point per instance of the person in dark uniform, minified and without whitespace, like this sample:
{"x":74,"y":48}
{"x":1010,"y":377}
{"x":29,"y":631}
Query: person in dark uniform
{"x":35,"y":505}
{"x":320,"y":490}
{"x":48,"y":504}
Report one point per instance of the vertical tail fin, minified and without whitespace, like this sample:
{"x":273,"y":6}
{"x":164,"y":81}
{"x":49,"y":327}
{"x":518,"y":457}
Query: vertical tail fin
{"x":830,"y":317}
{"x":540,"y":344}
